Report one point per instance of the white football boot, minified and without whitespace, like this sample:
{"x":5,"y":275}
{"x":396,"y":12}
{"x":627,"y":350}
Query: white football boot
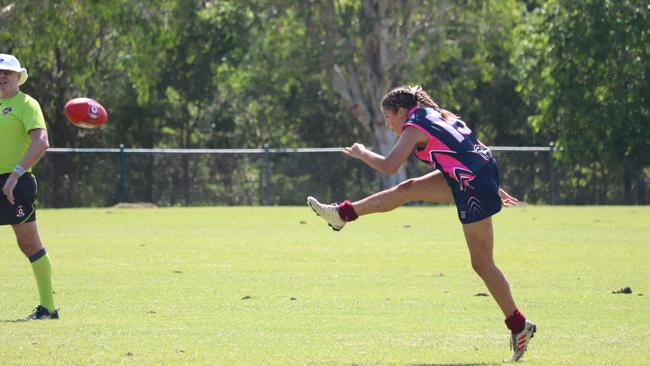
{"x":328,"y":212}
{"x":519,"y":341}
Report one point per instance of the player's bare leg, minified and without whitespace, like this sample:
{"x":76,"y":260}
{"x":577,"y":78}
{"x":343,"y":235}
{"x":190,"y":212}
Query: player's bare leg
{"x":480,"y":241}
{"x":431,"y":187}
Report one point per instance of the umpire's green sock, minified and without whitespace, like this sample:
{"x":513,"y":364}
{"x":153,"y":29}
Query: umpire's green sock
{"x":43,"y":273}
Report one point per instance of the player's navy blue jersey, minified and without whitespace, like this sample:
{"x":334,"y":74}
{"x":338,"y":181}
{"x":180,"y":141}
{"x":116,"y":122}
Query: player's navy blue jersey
{"x":451,"y":147}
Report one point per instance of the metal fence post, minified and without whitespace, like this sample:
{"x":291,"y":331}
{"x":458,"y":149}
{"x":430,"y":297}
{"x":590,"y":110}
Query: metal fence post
{"x":551,"y":170}
{"x":267,"y":200}
{"x":122,"y":193}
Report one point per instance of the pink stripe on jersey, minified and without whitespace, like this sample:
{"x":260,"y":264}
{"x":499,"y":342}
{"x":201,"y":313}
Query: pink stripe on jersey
{"x":450,"y":165}
{"x":433,"y":144}
{"x":445,"y":162}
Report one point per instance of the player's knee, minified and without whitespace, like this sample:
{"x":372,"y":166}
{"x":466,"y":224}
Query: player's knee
{"x":30,"y":249}
{"x":29,"y":246}
{"x":406,"y":186}
{"x":477,"y":267}
{"x":481,"y":267}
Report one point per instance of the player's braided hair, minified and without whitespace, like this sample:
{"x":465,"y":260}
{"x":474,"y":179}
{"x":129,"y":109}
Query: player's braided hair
{"x":407,"y":97}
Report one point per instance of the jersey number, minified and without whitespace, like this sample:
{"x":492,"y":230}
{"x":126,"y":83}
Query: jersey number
{"x":457,"y":130}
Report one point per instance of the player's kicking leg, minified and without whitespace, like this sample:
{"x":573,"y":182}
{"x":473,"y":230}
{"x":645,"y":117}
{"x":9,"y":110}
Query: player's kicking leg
{"x":430,"y":187}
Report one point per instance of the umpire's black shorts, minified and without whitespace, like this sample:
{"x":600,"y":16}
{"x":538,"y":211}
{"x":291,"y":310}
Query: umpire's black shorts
{"x":24,"y":209}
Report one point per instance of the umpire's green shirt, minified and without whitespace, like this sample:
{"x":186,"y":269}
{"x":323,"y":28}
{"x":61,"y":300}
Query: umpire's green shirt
{"x":18,"y":115}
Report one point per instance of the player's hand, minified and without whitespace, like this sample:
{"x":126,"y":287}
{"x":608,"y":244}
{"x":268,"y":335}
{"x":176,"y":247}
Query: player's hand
{"x":8,"y":188}
{"x":356,"y":150}
{"x":506,"y":199}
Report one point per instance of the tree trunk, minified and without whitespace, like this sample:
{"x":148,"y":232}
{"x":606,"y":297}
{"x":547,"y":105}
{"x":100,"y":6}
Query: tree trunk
{"x":61,"y":134}
{"x":385,"y":140}
{"x":627,"y":183}
{"x":368,"y":61}
{"x":641,"y":188}
{"x":605,"y":183}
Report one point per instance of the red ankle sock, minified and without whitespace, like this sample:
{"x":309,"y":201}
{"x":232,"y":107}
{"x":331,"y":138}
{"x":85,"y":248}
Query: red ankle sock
{"x":346,"y":211}
{"x":516,"y":322}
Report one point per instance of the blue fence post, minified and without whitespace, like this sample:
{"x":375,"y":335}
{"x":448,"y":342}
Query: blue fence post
{"x":122,"y":194}
{"x":551,"y":169}
{"x":267,"y":200}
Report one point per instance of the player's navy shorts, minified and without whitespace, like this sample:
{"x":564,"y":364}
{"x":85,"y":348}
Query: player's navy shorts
{"x":481,"y":198}
{"x":24,"y":209}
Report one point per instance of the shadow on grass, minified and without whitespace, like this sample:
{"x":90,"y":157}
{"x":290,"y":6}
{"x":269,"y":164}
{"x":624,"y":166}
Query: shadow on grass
{"x":13,"y":320}
{"x":454,"y":364}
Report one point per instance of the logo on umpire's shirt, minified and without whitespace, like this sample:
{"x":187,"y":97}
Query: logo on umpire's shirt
{"x":20,"y":211}
{"x":6,"y":111}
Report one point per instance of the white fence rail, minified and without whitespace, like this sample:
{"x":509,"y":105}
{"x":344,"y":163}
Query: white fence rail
{"x":266,"y":154}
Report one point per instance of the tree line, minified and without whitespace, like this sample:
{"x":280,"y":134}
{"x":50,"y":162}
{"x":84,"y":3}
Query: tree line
{"x":244,"y":74}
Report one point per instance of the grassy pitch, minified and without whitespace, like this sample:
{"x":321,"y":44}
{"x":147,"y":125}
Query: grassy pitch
{"x":275,"y":286}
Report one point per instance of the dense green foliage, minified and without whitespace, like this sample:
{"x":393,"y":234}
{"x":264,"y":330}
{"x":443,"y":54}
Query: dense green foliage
{"x":242,"y":74}
{"x":275,"y":286}
{"x":584,"y":69}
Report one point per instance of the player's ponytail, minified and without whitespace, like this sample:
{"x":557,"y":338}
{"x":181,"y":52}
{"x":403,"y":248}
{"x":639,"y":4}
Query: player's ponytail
{"x":425,"y":99}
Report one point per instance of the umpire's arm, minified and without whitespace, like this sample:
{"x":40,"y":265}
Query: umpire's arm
{"x":36,"y":149}
{"x":34,"y":153}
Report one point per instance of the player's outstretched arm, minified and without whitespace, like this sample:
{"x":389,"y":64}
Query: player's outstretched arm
{"x":389,"y":164}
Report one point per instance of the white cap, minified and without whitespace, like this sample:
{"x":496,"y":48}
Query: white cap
{"x":11,"y":63}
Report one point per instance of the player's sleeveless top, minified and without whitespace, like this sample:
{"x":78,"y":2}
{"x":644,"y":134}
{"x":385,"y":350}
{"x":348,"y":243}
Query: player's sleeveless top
{"x":451,"y":147}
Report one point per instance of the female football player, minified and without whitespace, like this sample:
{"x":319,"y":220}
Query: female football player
{"x":465,"y":172}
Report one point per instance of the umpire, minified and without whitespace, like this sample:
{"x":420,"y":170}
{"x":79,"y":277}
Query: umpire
{"x":23,"y":141}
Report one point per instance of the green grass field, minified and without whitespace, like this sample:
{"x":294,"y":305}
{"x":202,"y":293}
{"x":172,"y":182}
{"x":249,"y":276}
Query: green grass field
{"x":275,"y":286}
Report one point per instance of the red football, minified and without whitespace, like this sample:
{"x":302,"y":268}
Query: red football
{"x":85,"y":113}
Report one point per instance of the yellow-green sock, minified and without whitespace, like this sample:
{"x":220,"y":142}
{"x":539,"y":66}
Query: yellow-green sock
{"x":43,"y":273}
